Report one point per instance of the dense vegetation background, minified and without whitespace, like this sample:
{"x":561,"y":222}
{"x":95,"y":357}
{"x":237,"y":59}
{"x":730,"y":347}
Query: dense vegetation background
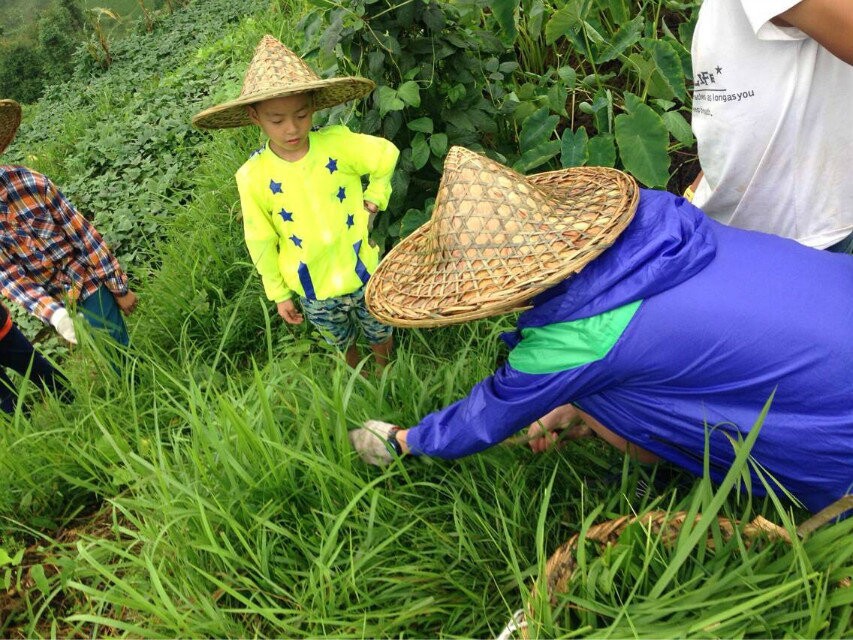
{"x":209,"y":489}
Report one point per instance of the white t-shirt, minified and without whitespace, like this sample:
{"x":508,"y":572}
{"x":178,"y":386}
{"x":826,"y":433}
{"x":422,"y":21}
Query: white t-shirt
{"x":773,"y":119}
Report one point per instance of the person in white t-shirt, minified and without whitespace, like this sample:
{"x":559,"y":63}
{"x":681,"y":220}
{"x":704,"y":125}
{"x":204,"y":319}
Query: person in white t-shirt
{"x":772,"y":101}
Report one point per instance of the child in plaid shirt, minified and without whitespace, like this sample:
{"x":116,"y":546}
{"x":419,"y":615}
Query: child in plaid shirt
{"x":51,"y":255}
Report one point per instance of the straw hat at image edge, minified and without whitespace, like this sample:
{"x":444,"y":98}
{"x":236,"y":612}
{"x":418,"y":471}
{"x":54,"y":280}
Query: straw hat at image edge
{"x":10,"y":120}
{"x":274,"y":72}
{"x":497,"y":238}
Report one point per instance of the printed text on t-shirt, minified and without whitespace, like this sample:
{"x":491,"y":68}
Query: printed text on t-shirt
{"x":706,"y":88}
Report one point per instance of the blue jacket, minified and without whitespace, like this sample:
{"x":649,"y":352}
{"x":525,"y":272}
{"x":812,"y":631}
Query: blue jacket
{"x":712,"y":321}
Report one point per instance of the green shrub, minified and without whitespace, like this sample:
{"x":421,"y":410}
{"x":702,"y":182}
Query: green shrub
{"x":60,"y":34}
{"x":22,"y":72}
{"x":535,"y":85}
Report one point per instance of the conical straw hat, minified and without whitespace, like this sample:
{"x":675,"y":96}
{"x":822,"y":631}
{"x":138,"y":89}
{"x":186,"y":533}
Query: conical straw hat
{"x":496,"y":239}
{"x":10,"y":119}
{"x":275,"y":72}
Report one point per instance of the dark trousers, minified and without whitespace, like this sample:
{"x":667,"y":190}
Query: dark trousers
{"x":17,"y":353}
{"x":843,"y":246}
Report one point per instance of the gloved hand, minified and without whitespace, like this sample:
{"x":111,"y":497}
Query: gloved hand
{"x":64,"y":326}
{"x":370,"y":442}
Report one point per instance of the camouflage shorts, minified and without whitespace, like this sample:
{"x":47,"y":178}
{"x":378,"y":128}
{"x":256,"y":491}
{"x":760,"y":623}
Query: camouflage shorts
{"x":339,"y":319}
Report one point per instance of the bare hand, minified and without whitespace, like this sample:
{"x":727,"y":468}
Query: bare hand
{"x":540,"y":438}
{"x":372,"y":210}
{"x":127,"y":303}
{"x":288,"y":311}
{"x":545,"y":432}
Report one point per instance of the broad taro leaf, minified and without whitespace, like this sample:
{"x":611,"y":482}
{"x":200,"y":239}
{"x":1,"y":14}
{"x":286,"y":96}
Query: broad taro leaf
{"x":504,"y":11}
{"x":602,"y":150}
{"x":631,"y":101}
{"x":565,"y":21}
{"x":574,"y":148}
{"x":558,"y":95}
{"x":537,"y":156}
{"x":669,"y":67}
{"x":568,"y":75}
{"x":627,"y":35}
{"x":642,"y":139}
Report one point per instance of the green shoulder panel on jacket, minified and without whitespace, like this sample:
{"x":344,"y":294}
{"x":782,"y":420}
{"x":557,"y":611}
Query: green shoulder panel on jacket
{"x":566,"y":345}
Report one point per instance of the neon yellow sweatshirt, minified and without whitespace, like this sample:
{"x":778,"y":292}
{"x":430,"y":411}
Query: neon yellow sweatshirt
{"x":304,"y":222}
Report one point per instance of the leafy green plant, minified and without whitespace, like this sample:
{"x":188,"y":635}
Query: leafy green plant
{"x":600,"y":58}
{"x":439,"y":78}
{"x":535,"y":85}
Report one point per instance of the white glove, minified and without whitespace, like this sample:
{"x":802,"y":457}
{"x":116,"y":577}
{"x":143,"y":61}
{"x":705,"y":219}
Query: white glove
{"x":63,"y":324}
{"x":370,"y":442}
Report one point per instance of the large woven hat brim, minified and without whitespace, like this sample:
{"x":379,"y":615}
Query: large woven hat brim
{"x":420,"y":283}
{"x":327,"y":93}
{"x":10,"y":120}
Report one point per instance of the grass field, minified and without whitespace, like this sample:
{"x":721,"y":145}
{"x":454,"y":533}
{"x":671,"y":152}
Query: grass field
{"x":204,"y":486}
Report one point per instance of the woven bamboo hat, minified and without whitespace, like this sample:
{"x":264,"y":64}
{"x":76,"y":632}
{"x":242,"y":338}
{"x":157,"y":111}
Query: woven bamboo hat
{"x":275,"y":72}
{"x":10,"y":119}
{"x":497,"y":238}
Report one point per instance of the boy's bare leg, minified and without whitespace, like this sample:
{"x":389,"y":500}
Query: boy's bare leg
{"x":637,"y":453}
{"x":352,"y":356}
{"x":382,"y":351}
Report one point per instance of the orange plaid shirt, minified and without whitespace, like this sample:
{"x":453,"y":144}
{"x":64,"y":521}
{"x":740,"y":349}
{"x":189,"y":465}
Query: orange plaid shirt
{"x":49,"y":252}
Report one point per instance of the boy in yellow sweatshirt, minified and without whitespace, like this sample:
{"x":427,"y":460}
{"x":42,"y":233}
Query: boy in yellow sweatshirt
{"x":306,"y":217}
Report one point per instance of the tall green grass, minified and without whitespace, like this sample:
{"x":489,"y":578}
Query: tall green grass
{"x":237,"y":508}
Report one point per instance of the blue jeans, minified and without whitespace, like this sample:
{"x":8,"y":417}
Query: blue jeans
{"x":102,"y":312}
{"x":17,"y":353}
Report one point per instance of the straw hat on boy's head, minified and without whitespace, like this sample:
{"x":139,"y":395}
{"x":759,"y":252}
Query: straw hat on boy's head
{"x":496,"y":239}
{"x":10,"y":119}
{"x":275,"y":72}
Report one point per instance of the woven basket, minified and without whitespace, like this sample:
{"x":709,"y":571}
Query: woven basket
{"x":10,"y":120}
{"x":562,"y":563}
{"x":496,"y":239}
{"x":275,"y":72}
